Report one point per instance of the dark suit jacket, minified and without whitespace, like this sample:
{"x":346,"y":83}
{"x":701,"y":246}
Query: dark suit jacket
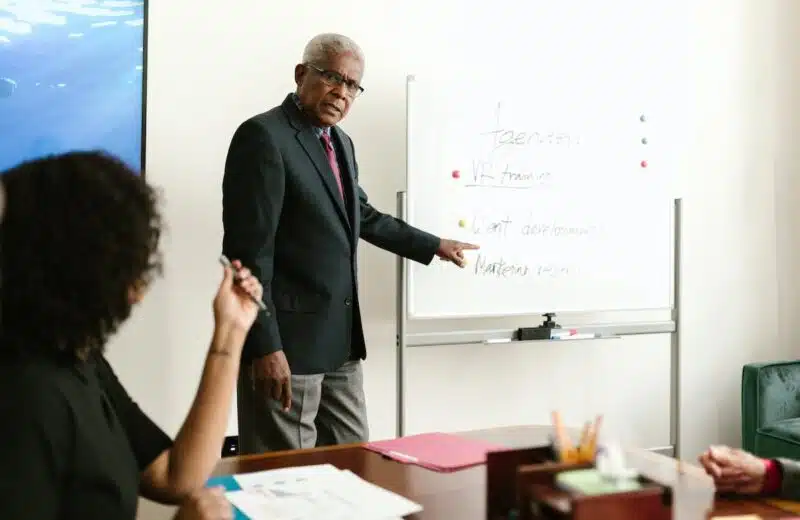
{"x":284,"y":218}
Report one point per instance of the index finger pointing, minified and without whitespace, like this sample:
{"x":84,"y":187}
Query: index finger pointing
{"x":464,"y":245}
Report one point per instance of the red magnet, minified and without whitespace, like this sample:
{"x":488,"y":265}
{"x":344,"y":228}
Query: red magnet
{"x":644,"y":164}
{"x":456,"y":174}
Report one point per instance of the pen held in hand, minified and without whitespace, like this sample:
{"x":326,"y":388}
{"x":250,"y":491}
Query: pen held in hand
{"x":227,"y":263}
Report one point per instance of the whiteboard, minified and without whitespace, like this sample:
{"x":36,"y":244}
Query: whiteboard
{"x":563,"y":178}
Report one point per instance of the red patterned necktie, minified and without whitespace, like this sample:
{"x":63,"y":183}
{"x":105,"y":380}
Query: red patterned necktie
{"x":326,"y":143}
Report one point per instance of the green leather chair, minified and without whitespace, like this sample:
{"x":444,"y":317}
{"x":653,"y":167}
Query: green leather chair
{"x":771,"y":409}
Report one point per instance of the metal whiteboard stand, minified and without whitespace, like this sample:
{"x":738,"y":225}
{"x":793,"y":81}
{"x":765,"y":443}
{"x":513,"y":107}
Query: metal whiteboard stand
{"x":402,"y":323}
{"x":675,"y":344}
{"x":405,"y":339}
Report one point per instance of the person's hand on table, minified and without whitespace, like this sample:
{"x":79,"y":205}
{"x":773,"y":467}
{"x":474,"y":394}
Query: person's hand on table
{"x":734,"y":470}
{"x":206,"y":504}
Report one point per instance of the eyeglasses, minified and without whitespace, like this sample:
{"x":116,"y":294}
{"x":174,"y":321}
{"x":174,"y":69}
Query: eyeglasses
{"x":334,"y":79}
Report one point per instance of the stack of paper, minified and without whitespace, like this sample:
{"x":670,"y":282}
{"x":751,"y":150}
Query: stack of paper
{"x":320,"y":492}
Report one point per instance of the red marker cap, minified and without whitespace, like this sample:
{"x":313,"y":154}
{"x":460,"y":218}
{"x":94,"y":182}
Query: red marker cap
{"x":456,"y":174}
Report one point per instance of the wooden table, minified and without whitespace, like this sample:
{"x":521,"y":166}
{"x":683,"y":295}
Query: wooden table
{"x":446,"y":496}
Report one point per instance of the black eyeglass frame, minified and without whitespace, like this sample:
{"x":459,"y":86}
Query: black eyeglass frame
{"x":334,"y":79}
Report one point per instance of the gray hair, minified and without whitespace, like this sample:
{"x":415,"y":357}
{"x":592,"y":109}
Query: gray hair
{"x":324,"y":46}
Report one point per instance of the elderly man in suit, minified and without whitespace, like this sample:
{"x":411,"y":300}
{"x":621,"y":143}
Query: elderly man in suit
{"x":737,"y":471}
{"x":293,"y":213}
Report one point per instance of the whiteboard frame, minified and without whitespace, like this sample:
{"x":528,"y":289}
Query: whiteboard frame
{"x":407,"y":272}
{"x":406,"y":340}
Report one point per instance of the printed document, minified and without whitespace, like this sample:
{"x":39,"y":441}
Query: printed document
{"x":320,"y":492}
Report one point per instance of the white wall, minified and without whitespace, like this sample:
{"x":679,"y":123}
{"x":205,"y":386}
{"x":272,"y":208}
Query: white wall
{"x":787,"y":180}
{"x":730,"y":306}
{"x":209,"y":69}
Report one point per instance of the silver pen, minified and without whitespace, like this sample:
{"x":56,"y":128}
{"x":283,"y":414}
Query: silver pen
{"x":227,"y":263}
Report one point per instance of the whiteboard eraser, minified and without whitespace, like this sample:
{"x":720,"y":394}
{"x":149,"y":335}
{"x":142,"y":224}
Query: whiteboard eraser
{"x":533,"y":333}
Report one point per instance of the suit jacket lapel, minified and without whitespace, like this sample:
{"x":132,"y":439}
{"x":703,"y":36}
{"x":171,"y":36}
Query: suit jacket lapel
{"x":350,"y":172}
{"x":313,"y":147}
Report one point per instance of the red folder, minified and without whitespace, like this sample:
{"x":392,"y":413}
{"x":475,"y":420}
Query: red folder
{"x":435,"y":451}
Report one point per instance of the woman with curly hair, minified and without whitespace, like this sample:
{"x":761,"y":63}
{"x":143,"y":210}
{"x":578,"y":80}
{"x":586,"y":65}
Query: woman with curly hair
{"x":80,"y":239}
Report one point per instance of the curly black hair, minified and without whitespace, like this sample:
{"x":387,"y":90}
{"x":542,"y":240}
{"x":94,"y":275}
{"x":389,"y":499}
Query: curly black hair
{"x":80,"y":230}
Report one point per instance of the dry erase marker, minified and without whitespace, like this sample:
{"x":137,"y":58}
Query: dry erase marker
{"x":498,"y":340}
{"x":574,"y":334}
{"x":227,"y":263}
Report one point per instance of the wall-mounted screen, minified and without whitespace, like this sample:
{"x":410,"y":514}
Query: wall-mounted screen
{"x":71,"y":78}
